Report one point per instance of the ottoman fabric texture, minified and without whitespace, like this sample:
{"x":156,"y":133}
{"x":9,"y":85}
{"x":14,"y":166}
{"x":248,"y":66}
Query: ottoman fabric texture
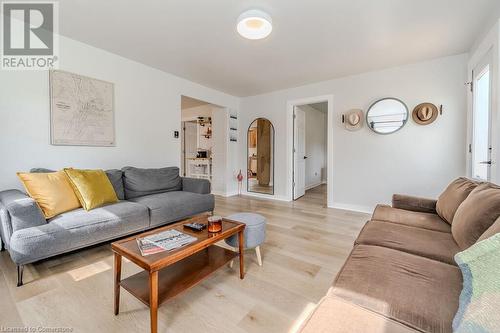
{"x":255,"y":230}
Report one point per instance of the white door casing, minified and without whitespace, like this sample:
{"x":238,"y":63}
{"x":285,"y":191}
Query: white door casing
{"x":299,"y":156}
{"x":330,"y":147}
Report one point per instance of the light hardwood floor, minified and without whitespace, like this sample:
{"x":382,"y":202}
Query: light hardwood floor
{"x":305,"y":247}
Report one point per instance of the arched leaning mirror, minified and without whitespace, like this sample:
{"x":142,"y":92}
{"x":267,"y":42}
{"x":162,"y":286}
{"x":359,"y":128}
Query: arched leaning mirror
{"x":260,"y":153}
{"x":387,"y":115}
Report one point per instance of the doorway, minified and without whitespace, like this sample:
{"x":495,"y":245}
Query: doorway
{"x":205,"y":142}
{"x":480,"y":147}
{"x":310,"y":150}
{"x":196,"y":138}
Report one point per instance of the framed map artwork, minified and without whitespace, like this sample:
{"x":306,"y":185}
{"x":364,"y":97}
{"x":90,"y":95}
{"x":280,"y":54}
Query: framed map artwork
{"x":81,"y":110}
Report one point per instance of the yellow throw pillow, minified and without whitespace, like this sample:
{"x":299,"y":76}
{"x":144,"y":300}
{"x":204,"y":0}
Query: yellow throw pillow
{"x":92,"y":187}
{"x":52,"y":191}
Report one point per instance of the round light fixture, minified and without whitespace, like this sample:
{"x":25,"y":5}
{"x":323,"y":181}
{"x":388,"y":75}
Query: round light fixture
{"x":254,"y":24}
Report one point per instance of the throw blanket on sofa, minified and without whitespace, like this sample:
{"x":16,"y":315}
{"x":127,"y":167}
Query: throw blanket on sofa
{"x":480,"y":297}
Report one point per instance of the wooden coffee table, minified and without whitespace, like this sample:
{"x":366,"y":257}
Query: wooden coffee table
{"x":167,"y":274}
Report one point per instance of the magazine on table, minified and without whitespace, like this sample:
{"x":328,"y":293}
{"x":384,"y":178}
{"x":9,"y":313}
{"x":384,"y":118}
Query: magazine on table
{"x":147,"y":248}
{"x":164,"y":241}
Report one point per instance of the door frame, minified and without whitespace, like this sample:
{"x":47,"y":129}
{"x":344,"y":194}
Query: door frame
{"x":484,"y":56}
{"x":289,"y":140}
{"x":294,"y":153}
{"x":226,"y":169}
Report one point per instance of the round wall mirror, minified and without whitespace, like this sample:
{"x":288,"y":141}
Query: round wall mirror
{"x":260,"y":153}
{"x":387,"y":115}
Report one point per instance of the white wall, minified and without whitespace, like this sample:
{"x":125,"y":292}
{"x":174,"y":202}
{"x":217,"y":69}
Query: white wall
{"x":368,"y":168}
{"x":219,"y":151}
{"x":488,"y":43}
{"x":315,"y":146}
{"x":147,"y":111}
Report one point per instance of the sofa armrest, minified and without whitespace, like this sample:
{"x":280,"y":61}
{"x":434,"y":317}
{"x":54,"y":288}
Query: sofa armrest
{"x":195,"y":185}
{"x":415,"y":204}
{"x":20,"y":211}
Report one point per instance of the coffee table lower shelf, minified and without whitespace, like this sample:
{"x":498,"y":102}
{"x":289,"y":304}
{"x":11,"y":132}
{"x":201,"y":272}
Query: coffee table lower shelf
{"x":182,"y":275}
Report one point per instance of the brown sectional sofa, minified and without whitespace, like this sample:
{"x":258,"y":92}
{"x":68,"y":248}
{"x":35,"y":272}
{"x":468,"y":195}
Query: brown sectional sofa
{"x":400,"y":276}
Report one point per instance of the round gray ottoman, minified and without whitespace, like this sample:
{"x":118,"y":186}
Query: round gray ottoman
{"x":254,"y":234}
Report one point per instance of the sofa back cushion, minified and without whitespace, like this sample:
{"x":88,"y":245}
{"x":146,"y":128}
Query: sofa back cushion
{"x":476,"y":214}
{"x":41,"y":170}
{"x":491,"y":231}
{"x":140,"y":182}
{"x":453,"y":196}
{"x":115,"y":176}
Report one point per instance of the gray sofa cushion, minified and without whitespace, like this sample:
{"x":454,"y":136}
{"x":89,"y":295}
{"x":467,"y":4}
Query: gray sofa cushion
{"x":140,"y":182}
{"x":173,"y":206}
{"x":23,"y":211}
{"x":41,"y":170}
{"x":76,"y":229}
{"x":115,"y":176}
{"x":195,"y":185}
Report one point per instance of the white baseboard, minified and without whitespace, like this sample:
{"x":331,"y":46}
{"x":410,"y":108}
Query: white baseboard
{"x":354,"y":208}
{"x":314,"y":185}
{"x":265,"y":196}
{"x":224,"y":194}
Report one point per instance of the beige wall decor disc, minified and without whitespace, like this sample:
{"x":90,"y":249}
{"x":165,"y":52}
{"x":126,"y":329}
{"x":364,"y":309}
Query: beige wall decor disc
{"x":425,"y":113}
{"x":354,"y":119}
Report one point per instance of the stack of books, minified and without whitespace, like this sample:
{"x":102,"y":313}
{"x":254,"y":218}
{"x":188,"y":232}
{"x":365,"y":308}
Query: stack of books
{"x":164,"y":241}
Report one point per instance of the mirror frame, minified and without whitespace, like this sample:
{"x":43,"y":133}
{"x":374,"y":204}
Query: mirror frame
{"x":272,"y":152}
{"x":383,"y":99}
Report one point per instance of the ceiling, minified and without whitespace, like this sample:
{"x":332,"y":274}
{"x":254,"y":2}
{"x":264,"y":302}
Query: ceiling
{"x":188,"y":102}
{"x":312,"y":40}
{"x":321,"y":107}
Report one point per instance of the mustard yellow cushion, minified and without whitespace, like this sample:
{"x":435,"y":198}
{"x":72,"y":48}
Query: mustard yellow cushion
{"x":52,"y":192}
{"x":92,"y":187}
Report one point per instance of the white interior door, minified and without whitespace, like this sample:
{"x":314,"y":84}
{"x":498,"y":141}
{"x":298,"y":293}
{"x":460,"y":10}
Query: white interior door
{"x":480,"y":147}
{"x":299,"y":156}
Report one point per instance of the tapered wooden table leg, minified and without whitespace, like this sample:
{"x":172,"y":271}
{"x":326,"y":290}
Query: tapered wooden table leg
{"x":153,"y":300}
{"x":240,"y":243}
{"x":259,"y":257}
{"x":118,"y":273}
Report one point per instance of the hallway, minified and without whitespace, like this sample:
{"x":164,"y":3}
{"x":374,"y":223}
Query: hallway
{"x":315,"y":196}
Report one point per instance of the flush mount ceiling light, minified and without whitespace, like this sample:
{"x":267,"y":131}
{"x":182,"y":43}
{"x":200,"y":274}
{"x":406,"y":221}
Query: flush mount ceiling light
{"x":254,"y":24}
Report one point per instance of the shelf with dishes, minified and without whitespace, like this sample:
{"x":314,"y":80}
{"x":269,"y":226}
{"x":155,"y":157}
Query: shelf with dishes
{"x":199,"y":167}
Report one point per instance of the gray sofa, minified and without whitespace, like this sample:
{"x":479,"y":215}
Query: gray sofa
{"x":149,"y":198}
